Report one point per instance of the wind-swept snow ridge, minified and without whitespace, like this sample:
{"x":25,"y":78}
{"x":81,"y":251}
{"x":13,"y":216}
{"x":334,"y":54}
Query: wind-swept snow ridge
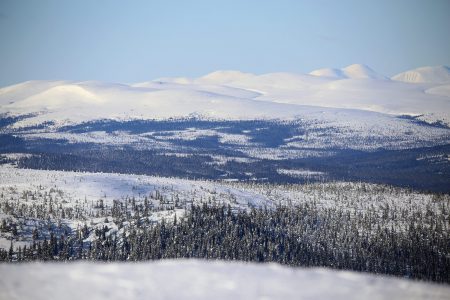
{"x":436,"y":75}
{"x":182,"y":279}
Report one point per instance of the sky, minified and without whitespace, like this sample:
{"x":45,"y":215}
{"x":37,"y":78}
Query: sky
{"x":135,"y":41}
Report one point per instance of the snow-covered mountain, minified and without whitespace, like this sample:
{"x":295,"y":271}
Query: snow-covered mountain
{"x":355,"y":71}
{"x":436,"y":75}
{"x":233,"y":95}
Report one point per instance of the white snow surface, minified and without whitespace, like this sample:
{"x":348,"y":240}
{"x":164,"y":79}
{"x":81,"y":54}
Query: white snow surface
{"x":233,"y":95}
{"x":194,"y":279}
{"x":355,"y":71}
{"x":438,"y":74}
{"x":110,"y":186}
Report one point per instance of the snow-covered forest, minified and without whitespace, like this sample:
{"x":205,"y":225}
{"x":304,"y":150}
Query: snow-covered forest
{"x":60,"y":216}
{"x":201,"y":149}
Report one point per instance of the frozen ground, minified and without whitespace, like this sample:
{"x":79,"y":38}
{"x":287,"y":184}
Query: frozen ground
{"x":201,"y":280}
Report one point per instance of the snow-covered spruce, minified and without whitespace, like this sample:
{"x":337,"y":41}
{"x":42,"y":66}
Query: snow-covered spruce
{"x":381,"y":229}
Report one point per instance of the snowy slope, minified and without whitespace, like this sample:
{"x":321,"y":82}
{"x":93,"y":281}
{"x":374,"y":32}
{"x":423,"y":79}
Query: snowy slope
{"x":82,"y":190}
{"x":355,"y":71}
{"x":441,"y":90}
{"x":110,"y":186}
{"x":78,"y":186}
{"x":438,"y":74}
{"x":328,"y":72}
{"x":201,"y":280}
{"x":75,"y":188}
{"x":357,"y":92}
{"x":84,"y":101}
{"x":231,"y":95}
{"x":26,"y":89}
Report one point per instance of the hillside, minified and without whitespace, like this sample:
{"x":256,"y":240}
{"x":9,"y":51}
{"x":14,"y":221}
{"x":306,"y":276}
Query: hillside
{"x":436,"y":75}
{"x":355,"y":71}
{"x":67,"y":216}
{"x":232,"y":95}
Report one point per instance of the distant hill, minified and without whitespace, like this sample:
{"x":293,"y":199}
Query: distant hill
{"x":438,"y":74}
{"x":355,"y":71}
{"x":235,"y":95}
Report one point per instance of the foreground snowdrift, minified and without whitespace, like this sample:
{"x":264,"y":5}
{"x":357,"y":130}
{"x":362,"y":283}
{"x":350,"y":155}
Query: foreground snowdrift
{"x":201,"y":280}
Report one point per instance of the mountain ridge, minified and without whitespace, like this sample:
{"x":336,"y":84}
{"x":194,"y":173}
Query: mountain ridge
{"x":230,"y":94}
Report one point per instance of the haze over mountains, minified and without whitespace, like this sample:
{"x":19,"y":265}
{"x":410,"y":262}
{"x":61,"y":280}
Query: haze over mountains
{"x":423,"y":92}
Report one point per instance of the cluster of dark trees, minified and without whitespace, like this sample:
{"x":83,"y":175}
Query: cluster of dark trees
{"x":398,"y":167}
{"x":302,"y":235}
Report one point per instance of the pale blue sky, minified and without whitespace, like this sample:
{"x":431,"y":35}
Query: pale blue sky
{"x":132,"y":41}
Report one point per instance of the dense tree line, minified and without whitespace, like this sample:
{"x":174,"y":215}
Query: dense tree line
{"x":398,"y":167}
{"x":300,"y":235}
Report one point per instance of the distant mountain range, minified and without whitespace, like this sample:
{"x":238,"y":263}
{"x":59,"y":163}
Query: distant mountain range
{"x":423,"y":93}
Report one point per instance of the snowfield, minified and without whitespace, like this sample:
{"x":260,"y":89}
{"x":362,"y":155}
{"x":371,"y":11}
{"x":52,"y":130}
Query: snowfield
{"x":350,"y":108}
{"x":194,"y":279}
{"x":439,"y":74}
{"x":234,"y":95}
{"x":110,"y":186}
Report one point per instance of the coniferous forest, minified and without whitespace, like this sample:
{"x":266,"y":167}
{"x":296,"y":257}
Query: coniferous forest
{"x":218,"y":150}
{"x":305,"y":234}
{"x":310,"y":207}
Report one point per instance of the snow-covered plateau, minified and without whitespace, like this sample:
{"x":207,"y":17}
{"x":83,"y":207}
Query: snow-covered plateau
{"x":235,"y":95}
{"x":181,"y":279}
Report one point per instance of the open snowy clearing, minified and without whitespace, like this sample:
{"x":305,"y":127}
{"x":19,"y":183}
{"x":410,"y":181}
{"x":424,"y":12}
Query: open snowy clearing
{"x":110,"y":186}
{"x":201,"y":280}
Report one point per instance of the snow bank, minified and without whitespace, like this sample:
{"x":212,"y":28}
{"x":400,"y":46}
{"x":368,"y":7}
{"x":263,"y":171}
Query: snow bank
{"x":200,"y":280}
